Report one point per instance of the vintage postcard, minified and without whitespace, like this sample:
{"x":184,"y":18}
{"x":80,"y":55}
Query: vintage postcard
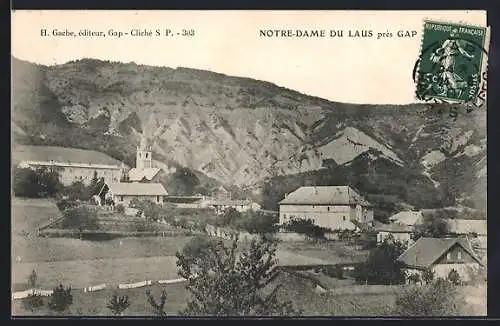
{"x":249,"y":163}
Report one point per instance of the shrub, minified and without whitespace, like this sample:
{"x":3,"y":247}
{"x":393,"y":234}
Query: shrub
{"x":151,"y":210}
{"x":64,"y":204}
{"x":60,"y":299}
{"x":454,"y":277}
{"x":305,"y":226}
{"x":118,"y":305}
{"x":440,"y":298}
{"x":120,"y":208}
{"x":158,"y":307}
{"x":34,"y":300}
{"x":80,"y":217}
{"x":428,"y":276}
{"x":259,"y":223}
{"x":414,"y":278}
{"x":224,"y":283}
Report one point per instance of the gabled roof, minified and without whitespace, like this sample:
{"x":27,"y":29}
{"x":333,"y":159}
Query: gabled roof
{"x":61,"y":154}
{"x":229,"y":202}
{"x":325,"y":195}
{"x":136,"y":174}
{"x":408,"y":217}
{"x":392,"y":227}
{"x":462,"y":226}
{"x":426,"y":251}
{"x":136,"y":189}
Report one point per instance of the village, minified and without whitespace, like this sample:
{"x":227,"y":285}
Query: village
{"x":452,"y":246}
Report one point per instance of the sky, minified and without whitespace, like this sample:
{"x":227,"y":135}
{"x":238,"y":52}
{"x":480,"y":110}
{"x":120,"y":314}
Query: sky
{"x":366,"y":70}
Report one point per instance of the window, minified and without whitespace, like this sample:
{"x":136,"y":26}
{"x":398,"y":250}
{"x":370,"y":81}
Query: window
{"x":121,"y":198}
{"x":157,"y":199}
{"x":284,"y":216}
{"x":328,"y":208}
{"x":448,"y":256}
{"x":343,"y":217}
{"x":146,"y":155}
{"x":459,"y":255}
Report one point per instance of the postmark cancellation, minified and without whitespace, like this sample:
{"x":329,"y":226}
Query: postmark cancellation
{"x":452,"y":63}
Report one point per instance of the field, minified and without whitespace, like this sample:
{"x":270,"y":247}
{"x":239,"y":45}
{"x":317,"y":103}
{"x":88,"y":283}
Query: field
{"x":79,"y":263}
{"x":349,"y":300}
{"x":302,"y":294}
{"x":28,"y":214}
{"x":334,"y":251}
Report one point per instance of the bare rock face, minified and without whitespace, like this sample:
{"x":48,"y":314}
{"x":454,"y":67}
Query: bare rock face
{"x":243,"y":132}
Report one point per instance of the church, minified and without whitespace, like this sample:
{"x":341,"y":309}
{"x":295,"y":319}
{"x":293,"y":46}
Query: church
{"x":144,"y":170}
{"x":143,"y":181}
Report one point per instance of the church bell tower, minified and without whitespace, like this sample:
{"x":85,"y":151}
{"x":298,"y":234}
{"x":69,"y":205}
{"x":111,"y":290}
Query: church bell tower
{"x":143,"y":157}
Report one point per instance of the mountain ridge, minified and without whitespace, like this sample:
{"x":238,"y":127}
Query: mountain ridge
{"x":241,"y":131}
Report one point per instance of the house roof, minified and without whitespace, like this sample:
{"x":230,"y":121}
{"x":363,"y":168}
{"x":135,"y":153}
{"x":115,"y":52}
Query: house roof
{"x":392,"y":227}
{"x":61,"y":155}
{"x":462,"y":226}
{"x":229,"y":202}
{"x":426,"y":251}
{"x":132,"y":188}
{"x":407,"y":217}
{"x":325,"y":195}
{"x":136,"y":174}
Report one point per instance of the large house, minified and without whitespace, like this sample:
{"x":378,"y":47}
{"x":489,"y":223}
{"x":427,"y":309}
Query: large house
{"x":124,"y":192}
{"x":440,"y":255}
{"x":72,"y":164}
{"x":334,"y":207}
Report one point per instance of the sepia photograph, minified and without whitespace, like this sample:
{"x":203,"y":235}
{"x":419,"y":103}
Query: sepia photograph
{"x":249,"y":163}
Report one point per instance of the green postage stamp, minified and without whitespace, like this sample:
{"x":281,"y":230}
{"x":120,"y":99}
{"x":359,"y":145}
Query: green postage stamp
{"x":452,"y":63}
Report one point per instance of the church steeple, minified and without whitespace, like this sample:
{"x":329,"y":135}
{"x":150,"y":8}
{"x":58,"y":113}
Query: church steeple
{"x":143,"y":156}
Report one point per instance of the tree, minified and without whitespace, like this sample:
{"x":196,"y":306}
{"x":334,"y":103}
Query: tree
{"x":454,"y":277}
{"x":257,"y":222}
{"x":381,"y":266}
{"x":224,"y":283}
{"x":305,"y":226}
{"x":41,"y":182}
{"x":93,"y":184}
{"x":34,"y":300}
{"x":428,"y":276}
{"x":60,"y":299}
{"x":118,"y":305}
{"x":158,"y":307}
{"x":440,"y":298}
{"x":25,"y":183}
{"x":230,"y":217}
{"x":77,"y":190}
{"x":434,"y":228}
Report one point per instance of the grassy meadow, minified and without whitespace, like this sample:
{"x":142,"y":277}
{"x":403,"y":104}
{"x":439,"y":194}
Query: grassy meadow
{"x":300,"y":291}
